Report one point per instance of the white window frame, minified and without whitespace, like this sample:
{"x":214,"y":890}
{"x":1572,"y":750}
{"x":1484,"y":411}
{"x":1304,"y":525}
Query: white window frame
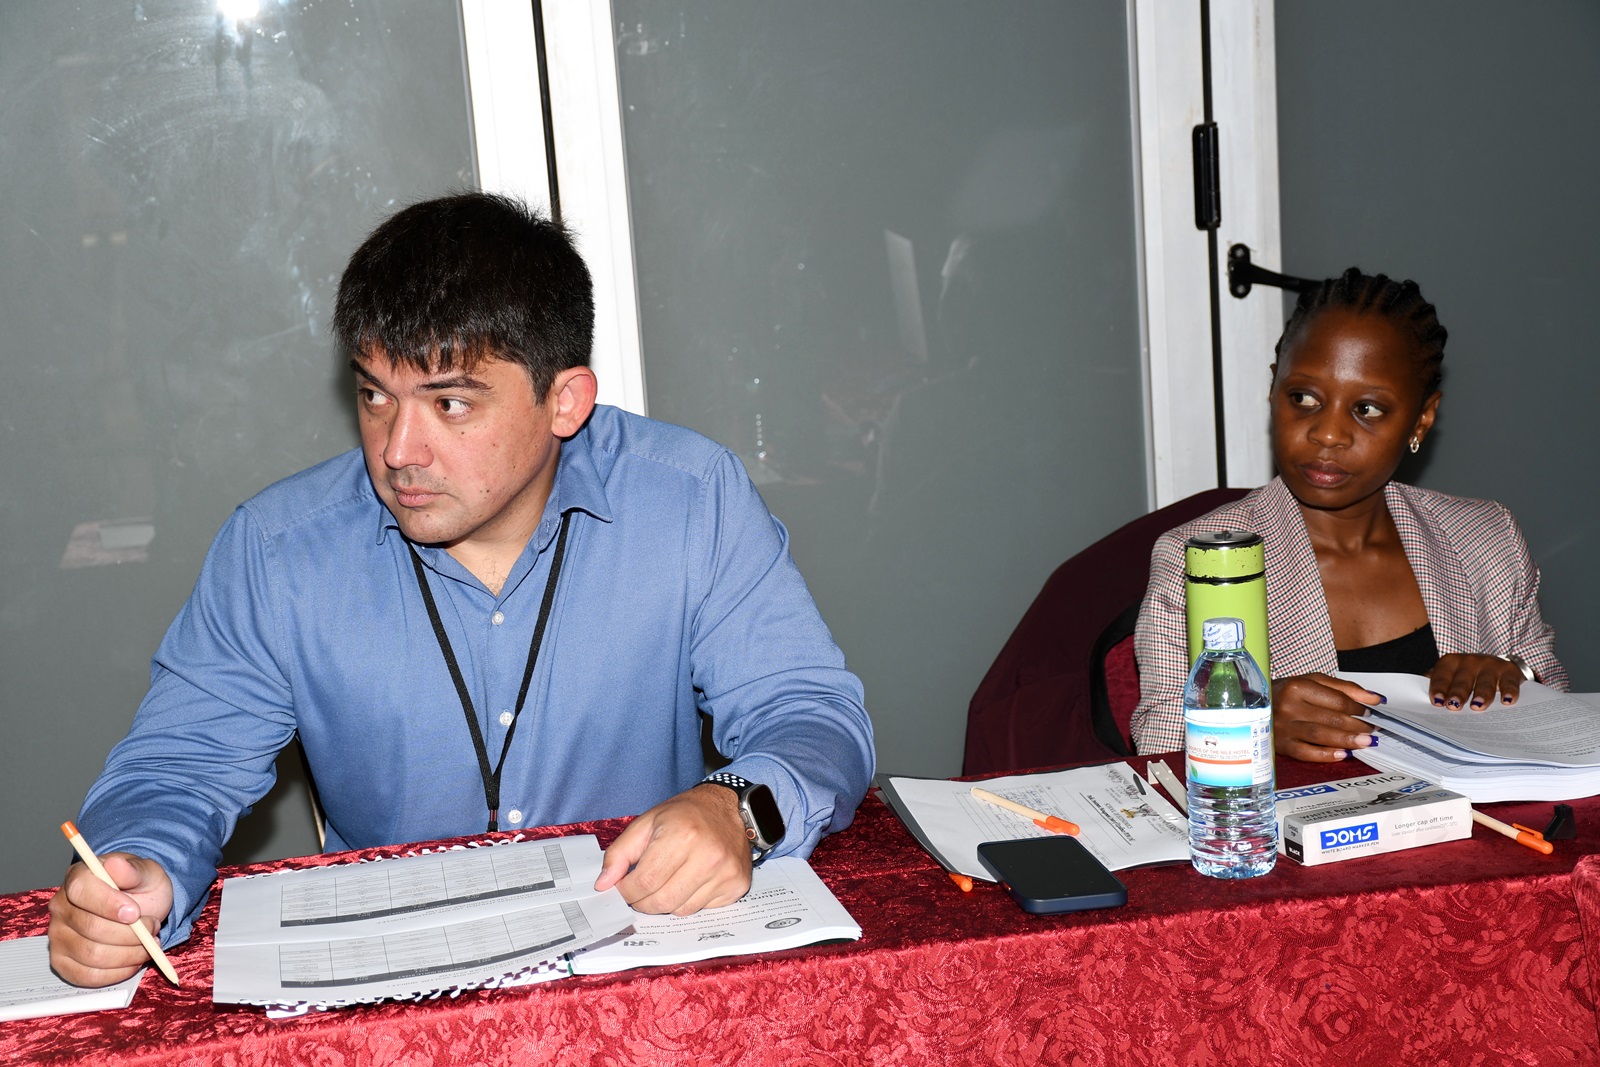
{"x":591,"y":180}
{"x":1177,"y":288}
{"x":1174,"y":296}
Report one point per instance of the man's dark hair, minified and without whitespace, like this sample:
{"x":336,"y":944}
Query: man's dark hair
{"x":1400,"y":302}
{"x":446,"y":283}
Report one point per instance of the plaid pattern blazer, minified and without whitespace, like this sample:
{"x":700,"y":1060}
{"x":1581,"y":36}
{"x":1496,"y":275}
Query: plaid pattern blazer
{"x":1478,"y":583}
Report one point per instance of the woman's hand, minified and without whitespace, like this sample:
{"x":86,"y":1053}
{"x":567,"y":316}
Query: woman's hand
{"x":1314,"y":717}
{"x":1458,"y":681}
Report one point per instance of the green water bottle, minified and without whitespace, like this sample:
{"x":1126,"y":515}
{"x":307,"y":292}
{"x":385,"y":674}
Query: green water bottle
{"x":1225,"y":576}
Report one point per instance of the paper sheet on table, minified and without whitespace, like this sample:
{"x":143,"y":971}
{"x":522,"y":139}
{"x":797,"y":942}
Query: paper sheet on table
{"x":787,"y":906}
{"x":1120,"y":825}
{"x":413,"y":926}
{"x":29,"y":989}
{"x":1543,"y":726}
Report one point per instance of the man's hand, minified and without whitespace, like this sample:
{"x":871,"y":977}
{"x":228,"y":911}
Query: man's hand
{"x":1314,"y":717}
{"x":91,"y":943}
{"x":686,"y":853}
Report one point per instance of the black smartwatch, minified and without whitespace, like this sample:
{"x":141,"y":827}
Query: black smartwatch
{"x":763,"y":823}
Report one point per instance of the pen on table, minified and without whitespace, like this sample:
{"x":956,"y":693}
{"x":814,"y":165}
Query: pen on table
{"x":91,"y":861}
{"x":1516,"y":831}
{"x":961,"y":880}
{"x":1054,"y":823}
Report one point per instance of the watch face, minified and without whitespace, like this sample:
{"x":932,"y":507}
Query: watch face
{"x":764,"y":812}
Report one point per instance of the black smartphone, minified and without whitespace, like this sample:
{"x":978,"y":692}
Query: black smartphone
{"x":1052,"y":874}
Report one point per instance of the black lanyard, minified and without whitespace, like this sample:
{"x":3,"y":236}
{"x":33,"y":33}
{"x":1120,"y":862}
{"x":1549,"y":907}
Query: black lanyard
{"x":491,"y":778}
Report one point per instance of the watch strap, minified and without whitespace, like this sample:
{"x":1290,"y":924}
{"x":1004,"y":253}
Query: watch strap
{"x":741,"y":788}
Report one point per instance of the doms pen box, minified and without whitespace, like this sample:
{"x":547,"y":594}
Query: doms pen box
{"x":1365,"y":816}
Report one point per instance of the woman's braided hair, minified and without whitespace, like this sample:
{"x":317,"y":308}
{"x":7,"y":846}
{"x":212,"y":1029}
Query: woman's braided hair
{"x":1400,"y":302}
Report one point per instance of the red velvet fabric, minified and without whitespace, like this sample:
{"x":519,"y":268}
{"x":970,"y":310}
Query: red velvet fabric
{"x":1477,"y":951}
{"x":1122,"y":686}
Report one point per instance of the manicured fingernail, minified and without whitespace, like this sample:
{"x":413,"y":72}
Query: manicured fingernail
{"x":1505,"y":700}
{"x":1382,"y":699}
{"x":1438,"y":700}
{"x":1374,"y":742}
{"x":1342,"y":754}
{"x":1366,"y":740}
{"x":1476,"y":703}
{"x":1454,"y":703}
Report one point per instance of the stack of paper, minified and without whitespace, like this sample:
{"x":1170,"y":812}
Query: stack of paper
{"x":1546,"y":746}
{"x":30,"y":989}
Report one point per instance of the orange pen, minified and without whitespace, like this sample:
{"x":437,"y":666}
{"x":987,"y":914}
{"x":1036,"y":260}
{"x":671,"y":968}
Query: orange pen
{"x":961,"y":880}
{"x":1522,"y":835}
{"x":1054,"y":823}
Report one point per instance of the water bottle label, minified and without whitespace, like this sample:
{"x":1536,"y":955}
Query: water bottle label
{"x":1230,"y":748}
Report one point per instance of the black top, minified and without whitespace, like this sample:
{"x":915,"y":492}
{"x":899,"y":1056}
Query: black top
{"x":1415,"y":653}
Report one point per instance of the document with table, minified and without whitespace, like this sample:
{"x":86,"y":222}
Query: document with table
{"x":1546,"y":746}
{"x":494,"y":915}
{"x":412,"y":926}
{"x":1120,"y":823}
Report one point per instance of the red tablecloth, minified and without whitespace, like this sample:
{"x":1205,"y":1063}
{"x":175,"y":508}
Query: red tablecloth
{"x":1476,"y":951}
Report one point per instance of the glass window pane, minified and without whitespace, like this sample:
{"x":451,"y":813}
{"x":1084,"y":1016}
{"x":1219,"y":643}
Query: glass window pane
{"x":887,"y":253}
{"x":182,"y":188}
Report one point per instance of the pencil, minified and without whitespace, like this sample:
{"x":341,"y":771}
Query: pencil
{"x":91,"y":861}
{"x":1053,"y":823}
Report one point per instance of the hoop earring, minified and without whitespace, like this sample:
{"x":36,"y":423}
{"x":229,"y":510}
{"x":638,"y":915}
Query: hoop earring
{"x":1416,"y":443}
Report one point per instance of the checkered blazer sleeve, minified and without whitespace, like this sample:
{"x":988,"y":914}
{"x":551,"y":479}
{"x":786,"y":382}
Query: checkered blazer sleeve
{"x":1529,"y":636}
{"x":1161,"y":644}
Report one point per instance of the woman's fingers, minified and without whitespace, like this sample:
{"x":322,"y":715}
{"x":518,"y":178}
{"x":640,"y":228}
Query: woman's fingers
{"x":1315,"y":717}
{"x":1472,"y":681}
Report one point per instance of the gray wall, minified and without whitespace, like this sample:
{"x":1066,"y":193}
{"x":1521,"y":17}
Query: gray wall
{"x":174,"y":219}
{"x":1454,"y":142}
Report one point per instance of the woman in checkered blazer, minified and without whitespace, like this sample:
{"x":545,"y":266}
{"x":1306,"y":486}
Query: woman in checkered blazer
{"x":1363,"y":573}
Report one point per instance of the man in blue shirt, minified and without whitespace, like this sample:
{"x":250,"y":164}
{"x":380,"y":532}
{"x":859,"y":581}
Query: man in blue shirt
{"x":508,"y":608}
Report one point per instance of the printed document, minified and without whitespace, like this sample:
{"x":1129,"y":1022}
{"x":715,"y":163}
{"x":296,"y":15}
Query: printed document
{"x":29,"y":989}
{"x":413,"y":926}
{"x":1120,"y":824}
{"x":787,"y":906}
{"x":1543,"y":726}
{"x":1546,"y":746}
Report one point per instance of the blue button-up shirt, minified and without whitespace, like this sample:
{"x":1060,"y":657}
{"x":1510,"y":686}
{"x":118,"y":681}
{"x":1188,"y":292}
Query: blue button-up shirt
{"x":677,"y":597}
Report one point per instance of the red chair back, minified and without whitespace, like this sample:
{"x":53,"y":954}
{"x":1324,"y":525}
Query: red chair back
{"x":1035,"y":706}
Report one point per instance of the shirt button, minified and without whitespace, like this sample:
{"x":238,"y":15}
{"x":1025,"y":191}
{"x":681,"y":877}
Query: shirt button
{"x":514,"y":816}
{"x":505,"y":718}
{"x":497,"y":618}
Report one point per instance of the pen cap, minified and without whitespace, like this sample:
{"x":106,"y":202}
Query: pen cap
{"x":1225,"y":577}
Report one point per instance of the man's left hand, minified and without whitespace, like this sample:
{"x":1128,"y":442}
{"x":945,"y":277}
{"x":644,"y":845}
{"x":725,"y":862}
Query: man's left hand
{"x":684,"y":854}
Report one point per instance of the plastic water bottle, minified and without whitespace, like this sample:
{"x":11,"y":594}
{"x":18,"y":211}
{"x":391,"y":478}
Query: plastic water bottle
{"x":1227,"y":725}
